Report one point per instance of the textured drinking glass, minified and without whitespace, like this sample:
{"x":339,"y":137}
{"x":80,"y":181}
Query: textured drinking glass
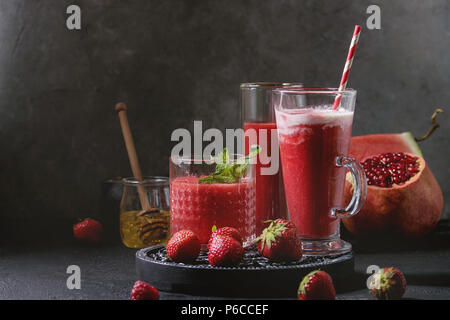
{"x":200,"y":206}
{"x":258,"y":120}
{"x":140,"y":229}
{"x":314,"y":142}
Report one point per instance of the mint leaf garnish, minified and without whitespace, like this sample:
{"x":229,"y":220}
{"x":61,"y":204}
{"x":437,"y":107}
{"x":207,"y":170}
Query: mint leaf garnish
{"x":228,"y":171}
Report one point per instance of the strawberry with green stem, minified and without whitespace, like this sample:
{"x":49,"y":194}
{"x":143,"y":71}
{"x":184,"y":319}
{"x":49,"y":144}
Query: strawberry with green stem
{"x":225,"y":251}
{"x":280,"y":241}
{"x":316,"y":285}
{"x":388,"y":284}
{"x":225,"y":231}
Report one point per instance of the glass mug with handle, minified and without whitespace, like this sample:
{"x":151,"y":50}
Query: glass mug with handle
{"x":314,"y":141}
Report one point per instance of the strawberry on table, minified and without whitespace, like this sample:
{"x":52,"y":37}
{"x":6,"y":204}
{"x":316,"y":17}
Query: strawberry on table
{"x":89,"y":230}
{"x":225,"y":231}
{"x":316,"y":285}
{"x":225,"y":251}
{"x":183,"y":246}
{"x":143,"y":291}
{"x":280,"y":241}
{"x":388,"y":284}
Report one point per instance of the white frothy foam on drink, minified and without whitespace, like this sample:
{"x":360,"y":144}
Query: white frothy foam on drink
{"x":292,"y":121}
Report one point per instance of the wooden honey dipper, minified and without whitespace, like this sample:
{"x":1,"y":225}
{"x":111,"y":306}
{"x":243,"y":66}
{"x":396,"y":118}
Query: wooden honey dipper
{"x":121,"y":110}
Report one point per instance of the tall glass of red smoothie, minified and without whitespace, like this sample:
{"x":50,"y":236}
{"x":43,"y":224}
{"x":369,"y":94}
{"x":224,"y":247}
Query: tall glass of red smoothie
{"x":258,"y":120}
{"x":314,"y":141}
{"x":198,"y":202}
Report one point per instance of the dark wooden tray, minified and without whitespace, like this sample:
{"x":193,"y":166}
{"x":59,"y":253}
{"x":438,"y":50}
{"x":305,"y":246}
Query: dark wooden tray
{"x":254,"y":277}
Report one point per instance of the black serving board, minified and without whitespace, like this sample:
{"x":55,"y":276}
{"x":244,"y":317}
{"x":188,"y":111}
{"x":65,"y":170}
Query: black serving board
{"x":255,"y":277}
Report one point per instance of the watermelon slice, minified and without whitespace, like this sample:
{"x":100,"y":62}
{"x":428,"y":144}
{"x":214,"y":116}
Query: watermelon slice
{"x":362,"y":147}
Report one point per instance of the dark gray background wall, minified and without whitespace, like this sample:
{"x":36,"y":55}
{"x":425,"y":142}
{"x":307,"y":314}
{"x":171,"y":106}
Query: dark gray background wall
{"x":173,"y":62}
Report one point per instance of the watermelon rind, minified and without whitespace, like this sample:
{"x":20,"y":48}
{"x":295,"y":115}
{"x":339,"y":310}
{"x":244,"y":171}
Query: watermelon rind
{"x":362,"y":147}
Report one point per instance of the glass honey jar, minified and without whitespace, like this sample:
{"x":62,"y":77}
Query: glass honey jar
{"x":140,"y":228}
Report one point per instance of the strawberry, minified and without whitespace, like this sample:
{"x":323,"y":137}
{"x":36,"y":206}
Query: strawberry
{"x":89,"y":230}
{"x":316,"y":285}
{"x":183,"y":246}
{"x":143,"y":291}
{"x":225,"y":231}
{"x":388,"y":284}
{"x":225,"y":251}
{"x":280,"y":241}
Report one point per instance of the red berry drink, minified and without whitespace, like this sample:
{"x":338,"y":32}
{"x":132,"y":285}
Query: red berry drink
{"x":200,"y":206}
{"x":310,"y":141}
{"x":270,"y":198}
{"x":314,"y":139}
{"x":258,"y":118}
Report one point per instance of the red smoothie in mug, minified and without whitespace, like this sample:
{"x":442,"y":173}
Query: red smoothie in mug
{"x":270,"y":198}
{"x":310,"y":140}
{"x":200,"y":206}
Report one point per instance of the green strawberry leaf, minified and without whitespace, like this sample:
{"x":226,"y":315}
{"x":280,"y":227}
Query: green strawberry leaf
{"x":271,"y":233}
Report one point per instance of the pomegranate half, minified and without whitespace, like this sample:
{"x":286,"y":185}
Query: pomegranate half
{"x":403,"y":197}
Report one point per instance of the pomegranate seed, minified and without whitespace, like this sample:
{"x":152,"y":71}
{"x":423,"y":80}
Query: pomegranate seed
{"x":387,"y":169}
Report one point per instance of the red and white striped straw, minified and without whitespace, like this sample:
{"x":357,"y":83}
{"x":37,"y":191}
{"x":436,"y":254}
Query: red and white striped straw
{"x":348,"y":65}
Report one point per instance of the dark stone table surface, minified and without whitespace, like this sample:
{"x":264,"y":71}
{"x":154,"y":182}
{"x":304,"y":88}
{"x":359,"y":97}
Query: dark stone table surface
{"x":108,"y":270}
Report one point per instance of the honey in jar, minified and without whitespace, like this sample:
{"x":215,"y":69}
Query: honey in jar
{"x":144,"y":228}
